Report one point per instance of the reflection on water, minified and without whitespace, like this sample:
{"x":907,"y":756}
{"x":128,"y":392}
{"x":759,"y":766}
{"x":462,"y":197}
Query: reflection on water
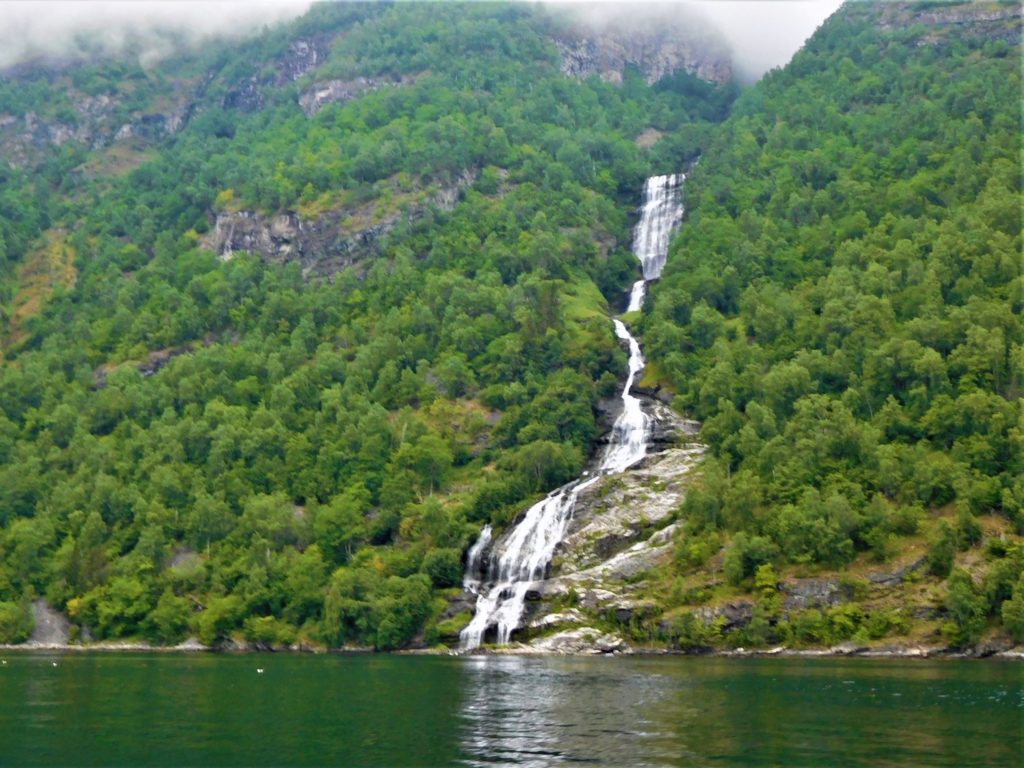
{"x":533,"y":712}
{"x":699,"y":712}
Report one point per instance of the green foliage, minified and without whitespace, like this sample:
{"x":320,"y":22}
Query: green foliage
{"x":443,"y":567}
{"x":220,"y":617}
{"x":746,"y":555}
{"x":842,"y":308}
{"x":268,"y":631}
{"x":941,"y":552}
{"x":966,"y":608}
{"x":1012,"y":612}
{"x":169,"y":620}
{"x":229,"y":446}
{"x":16,"y":622}
{"x":690,"y":632}
{"x":191,"y":444}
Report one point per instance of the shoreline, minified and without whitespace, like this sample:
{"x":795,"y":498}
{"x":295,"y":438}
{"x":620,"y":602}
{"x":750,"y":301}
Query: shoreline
{"x":1015,"y":653}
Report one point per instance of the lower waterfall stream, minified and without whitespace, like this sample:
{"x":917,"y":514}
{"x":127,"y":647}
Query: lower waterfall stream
{"x":521,"y":556}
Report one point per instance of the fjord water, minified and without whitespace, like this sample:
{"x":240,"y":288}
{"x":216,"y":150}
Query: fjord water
{"x":373,"y":710}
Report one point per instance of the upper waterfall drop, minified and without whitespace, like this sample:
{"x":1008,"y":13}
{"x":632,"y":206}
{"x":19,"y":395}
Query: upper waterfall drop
{"x":661,"y":211}
{"x":628,"y":443}
{"x":521,"y":556}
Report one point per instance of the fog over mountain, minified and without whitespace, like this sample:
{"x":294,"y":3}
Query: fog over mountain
{"x":153,"y":28}
{"x":761,"y":33}
{"x":766,"y":33}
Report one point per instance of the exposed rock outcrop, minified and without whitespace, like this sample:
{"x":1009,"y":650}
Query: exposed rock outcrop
{"x":619,"y":525}
{"x":95,"y":125}
{"x":301,"y":58}
{"x":327,"y":92}
{"x":897,"y":576}
{"x":581,"y":641}
{"x":607,"y":57}
{"x":328,"y":243}
{"x":620,"y":531}
{"x":731,"y":615}
{"x":940,"y":22}
{"x":800,"y":594}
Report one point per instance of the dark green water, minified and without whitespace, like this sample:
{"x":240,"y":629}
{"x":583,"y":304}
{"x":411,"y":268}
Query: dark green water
{"x":201,"y":709}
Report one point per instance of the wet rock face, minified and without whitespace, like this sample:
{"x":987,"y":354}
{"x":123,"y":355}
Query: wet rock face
{"x":620,"y":530}
{"x":246,"y":96}
{"x":22,"y":137}
{"x":303,"y":56}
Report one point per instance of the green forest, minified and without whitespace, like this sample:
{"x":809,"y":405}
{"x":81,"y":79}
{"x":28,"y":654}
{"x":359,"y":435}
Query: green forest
{"x":235,"y":449}
{"x":843,"y":314}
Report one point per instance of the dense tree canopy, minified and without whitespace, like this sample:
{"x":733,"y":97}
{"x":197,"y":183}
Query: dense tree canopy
{"x":197,"y":445}
{"x":842,"y":310}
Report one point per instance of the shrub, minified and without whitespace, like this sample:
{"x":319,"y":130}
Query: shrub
{"x":745,"y":554}
{"x":940,"y":554}
{"x":1013,"y":612}
{"x":268,"y":631}
{"x":16,"y":622}
{"x":443,"y":567}
{"x":966,"y":609}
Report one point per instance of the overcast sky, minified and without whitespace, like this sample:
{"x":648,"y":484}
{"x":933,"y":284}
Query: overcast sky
{"x":762,"y":33}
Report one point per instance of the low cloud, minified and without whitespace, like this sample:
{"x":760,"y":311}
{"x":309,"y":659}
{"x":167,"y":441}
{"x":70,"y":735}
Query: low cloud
{"x":761,"y":34}
{"x":150,"y":28}
{"x":764,"y":34}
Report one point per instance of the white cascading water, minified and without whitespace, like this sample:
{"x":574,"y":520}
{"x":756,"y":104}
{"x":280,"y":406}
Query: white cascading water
{"x":521,"y":557}
{"x":661,"y":212}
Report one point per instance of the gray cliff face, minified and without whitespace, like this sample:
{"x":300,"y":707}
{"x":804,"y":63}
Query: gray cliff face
{"x":103,"y":120}
{"x":940,"y":22}
{"x":324,"y":245}
{"x":655,"y":39}
{"x":97,"y":123}
{"x":655,"y":54}
{"x":301,"y":58}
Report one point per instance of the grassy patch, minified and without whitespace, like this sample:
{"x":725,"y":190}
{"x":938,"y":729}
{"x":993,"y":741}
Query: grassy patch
{"x":50,"y":265}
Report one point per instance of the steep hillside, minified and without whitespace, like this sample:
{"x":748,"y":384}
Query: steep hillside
{"x":842,"y":311}
{"x":286,"y":321}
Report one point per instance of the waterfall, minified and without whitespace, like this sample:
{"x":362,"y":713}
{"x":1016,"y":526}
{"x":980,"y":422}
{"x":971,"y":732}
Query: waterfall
{"x":470,"y":583}
{"x":521,"y":557}
{"x":661,"y":212}
{"x":628,"y":442}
